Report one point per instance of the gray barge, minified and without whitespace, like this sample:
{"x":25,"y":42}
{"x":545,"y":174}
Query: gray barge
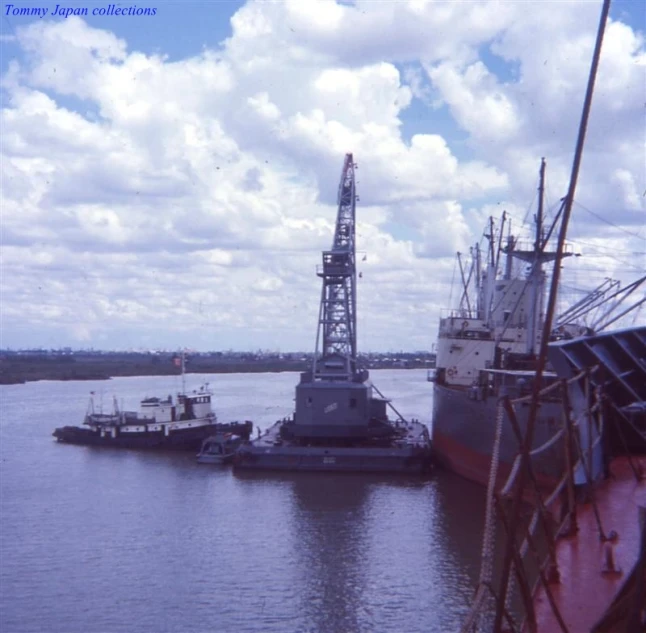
{"x":339,"y":422}
{"x":378,"y":445}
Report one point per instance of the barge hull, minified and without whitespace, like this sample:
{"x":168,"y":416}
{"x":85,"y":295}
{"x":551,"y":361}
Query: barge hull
{"x":334,"y":461}
{"x":270,"y":452}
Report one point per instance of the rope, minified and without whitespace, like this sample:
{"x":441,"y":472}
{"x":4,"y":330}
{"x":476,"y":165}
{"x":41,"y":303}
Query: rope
{"x":511,"y":480}
{"x":488,"y":540}
{"x":489,"y":534}
{"x":486,"y":571}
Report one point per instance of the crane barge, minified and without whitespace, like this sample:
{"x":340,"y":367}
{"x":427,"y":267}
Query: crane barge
{"x":340,"y":422}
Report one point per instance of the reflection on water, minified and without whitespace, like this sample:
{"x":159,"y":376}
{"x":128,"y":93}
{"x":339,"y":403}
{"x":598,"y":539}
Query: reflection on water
{"x":331,"y":521}
{"x":105,"y":541}
{"x":376,"y":553}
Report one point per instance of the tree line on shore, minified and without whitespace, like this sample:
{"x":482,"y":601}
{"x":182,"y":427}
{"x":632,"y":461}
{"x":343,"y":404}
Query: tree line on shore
{"x":25,"y":366}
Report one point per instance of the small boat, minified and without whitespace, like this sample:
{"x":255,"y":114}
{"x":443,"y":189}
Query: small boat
{"x":219,"y":448}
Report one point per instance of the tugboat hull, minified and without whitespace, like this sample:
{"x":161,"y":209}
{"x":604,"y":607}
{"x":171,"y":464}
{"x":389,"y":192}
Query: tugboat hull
{"x":185,"y":439}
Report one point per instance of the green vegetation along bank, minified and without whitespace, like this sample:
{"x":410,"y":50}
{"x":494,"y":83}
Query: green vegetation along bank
{"x":26,"y":366}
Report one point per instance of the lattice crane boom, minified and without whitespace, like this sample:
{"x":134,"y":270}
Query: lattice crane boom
{"x":335,"y":355}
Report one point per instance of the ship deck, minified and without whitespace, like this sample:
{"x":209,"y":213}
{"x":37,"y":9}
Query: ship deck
{"x":411,"y":433}
{"x":585,"y":592}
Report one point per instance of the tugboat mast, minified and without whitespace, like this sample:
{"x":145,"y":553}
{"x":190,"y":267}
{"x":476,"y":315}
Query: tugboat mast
{"x":335,"y":356}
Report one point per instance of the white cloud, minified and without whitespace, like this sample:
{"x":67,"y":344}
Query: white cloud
{"x":479,"y":102}
{"x":188,"y":201}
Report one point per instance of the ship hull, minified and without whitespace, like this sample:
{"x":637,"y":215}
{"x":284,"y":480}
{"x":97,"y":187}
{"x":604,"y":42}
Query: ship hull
{"x":186,"y":439}
{"x":270,"y":453}
{"x":464,"y":434}
{"x":360,"y":460}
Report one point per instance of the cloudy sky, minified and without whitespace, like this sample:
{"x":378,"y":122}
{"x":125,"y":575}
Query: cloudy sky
{"x":169,"y":181}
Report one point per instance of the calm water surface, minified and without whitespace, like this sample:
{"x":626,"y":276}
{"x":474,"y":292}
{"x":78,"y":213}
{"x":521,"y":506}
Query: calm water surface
{"x":106,"y":540}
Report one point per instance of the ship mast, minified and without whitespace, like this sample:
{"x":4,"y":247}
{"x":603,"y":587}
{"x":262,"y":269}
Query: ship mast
{"x":539,"y":213}
{"x":536,"y":274}
{"x":492,"y":267}
{"x":535,"y":256}
{"x":335,"y":356}
{"x":183,"y":357}
{"x":547,"y":325}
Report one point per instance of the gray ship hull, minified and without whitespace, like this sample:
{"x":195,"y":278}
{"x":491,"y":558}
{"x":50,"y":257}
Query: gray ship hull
{"x":464,"y":433}
{"x":269,"y":452}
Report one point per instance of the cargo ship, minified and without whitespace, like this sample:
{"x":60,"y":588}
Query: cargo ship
{"x":181,"y":423}
{"x":575,"y":559}
{"x":486,"y":349}
{"x":340,"y":422}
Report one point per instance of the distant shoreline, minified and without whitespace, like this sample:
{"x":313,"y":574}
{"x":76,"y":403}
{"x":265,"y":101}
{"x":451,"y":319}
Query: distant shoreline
{"x":18,"y":369}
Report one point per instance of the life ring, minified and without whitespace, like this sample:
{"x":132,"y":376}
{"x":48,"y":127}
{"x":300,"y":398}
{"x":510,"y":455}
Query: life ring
{"x":451,"y":371}
{"x":465,"y":325}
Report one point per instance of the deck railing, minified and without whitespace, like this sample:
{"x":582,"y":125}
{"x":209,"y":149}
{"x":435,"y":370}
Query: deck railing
{"x":560,"y":502}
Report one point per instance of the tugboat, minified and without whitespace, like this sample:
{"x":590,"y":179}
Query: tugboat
{"x":180,"y":424}
{"x":339,"y":423}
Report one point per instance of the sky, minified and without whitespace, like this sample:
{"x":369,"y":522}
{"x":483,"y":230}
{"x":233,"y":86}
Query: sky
{"x":169,"y":181}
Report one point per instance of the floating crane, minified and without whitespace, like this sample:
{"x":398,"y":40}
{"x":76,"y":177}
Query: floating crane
{"x":333,"y":400}
{"x":338,"y":424}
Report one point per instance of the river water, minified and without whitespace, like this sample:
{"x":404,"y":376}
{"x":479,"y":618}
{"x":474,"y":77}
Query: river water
{"x":105,"y":540}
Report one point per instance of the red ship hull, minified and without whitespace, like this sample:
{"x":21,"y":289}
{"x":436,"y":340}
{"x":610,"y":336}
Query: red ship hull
{"x":476,"y":466}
